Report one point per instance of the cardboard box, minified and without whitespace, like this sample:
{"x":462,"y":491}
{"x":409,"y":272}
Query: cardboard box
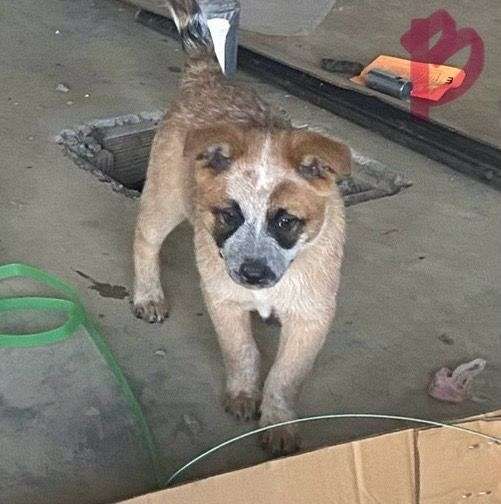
{"x":414,"y":466}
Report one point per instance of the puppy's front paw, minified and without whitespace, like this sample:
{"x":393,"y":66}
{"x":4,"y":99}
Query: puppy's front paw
{"x":281,"y":441}
{"x":151,"y":311}
{"x":242,"y":406}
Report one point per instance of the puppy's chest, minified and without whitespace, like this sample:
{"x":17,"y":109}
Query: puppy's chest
{"x":261,"y":302}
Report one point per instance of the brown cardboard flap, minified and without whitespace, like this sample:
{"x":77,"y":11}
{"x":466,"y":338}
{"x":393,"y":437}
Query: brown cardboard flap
{"x":433,"y":466}
{"x":458,"y":467}
{"x":350,"y":473}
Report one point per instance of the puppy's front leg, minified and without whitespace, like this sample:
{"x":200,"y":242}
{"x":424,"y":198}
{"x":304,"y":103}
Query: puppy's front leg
{"x":241,"y":359}
{"x":149,"y":301}
{"x":159,"y":214}
{"x":300,"y":342}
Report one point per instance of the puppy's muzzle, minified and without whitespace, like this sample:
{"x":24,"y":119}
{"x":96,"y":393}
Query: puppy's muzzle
{"x":256,"y":273}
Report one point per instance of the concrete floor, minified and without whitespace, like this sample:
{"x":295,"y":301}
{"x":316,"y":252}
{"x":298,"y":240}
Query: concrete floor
{"x":419,"y":265}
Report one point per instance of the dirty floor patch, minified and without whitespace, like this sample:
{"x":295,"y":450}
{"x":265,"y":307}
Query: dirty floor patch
{"x":105,"y":289}
{"x":117,"y":151}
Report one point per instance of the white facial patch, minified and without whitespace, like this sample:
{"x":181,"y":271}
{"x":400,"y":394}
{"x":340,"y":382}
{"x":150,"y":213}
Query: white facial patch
{"x":252,"y":188}
{"x":265,"y":180}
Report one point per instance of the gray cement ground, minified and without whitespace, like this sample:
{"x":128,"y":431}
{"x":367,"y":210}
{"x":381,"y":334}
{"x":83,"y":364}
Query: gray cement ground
{"x":420,"y":282}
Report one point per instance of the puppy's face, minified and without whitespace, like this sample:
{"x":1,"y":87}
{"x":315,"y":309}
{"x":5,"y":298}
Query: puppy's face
{"x":262,"y":196}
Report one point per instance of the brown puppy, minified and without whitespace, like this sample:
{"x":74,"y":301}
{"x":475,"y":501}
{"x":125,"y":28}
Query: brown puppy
{"x":268,"y":222}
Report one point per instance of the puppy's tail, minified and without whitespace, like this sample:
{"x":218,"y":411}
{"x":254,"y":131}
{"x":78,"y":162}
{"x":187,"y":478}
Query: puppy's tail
{"x":193,"y":29}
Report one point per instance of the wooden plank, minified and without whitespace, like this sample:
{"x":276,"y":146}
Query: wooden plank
{"x":130,"y":146}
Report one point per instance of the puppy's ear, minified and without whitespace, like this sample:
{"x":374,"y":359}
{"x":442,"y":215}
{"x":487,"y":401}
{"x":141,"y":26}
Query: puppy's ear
{"x":214,"y":148}
{"x":318,"y":159}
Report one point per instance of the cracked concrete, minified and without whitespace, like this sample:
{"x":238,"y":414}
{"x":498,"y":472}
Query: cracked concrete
{"x":420,"y":286}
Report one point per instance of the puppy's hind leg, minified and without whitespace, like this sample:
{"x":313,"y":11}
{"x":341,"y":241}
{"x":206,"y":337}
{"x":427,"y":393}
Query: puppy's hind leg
{"x":161,"y":210}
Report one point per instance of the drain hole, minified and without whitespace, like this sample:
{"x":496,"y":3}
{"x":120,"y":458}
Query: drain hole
{"x":117,"y":151}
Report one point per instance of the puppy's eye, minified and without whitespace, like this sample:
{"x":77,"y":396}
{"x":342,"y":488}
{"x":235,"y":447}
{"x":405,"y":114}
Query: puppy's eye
{"x":227,"y":221}
{"x":285,"y":228}
{"x":230,"y":215}
{"x":286,"y":221}
{"x":227,"y":215}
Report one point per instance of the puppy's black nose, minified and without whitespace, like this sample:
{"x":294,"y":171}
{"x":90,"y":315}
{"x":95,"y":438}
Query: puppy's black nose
{"x":256,"y":272}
